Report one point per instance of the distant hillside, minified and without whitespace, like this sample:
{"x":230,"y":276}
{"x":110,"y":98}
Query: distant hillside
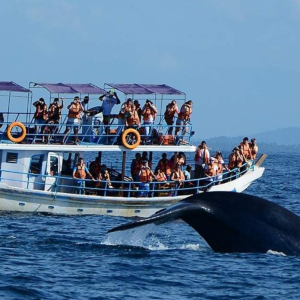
{"x":281,"y":140}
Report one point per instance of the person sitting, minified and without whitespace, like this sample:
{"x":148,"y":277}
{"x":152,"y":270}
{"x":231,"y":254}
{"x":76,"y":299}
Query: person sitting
{"x":80,"y":172}
{"x":54,"y":115}
{"x":75,"y":109}
{"x":253,"y":148}
{"x":164,"y":165}
{"x":149,"y":113}
{"x":178,"y":178}
{"x":40,"y":115}
{"x":184,"y":117}
{"x":146,"y":175}
{"x":108,"y":101}
{"x":171,"y":110}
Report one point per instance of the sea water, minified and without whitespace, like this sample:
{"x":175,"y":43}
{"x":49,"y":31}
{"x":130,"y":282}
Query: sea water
{"x":67,"y":257}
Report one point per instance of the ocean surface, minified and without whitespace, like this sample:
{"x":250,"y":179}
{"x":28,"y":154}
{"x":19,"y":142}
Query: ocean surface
{"x":63,"y":257}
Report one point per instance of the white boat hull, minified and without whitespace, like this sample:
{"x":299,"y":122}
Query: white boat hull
{"x":25,"y":200}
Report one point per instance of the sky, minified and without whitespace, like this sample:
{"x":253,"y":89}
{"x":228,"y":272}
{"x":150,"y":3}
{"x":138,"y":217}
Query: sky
{"x":238,"y":60}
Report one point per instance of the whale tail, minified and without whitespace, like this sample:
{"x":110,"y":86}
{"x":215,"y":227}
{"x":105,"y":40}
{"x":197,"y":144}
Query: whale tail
{"x":233,"y":222}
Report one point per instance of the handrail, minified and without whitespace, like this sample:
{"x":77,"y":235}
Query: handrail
{"x":94,"y":133}
{"x":127,"y":188}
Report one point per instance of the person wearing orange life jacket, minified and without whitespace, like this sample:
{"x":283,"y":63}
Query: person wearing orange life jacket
{"x":40,"y":115}
{"x":149,"y":113}
{"x":253,"y":148}
{"x":211,"y":171}
{"x":245,"y":147}
{"x":184,"y":117}
{"x":178,"y":177}
{"x":146,"y":175}
{"x":171,"y":110}
{"x":164,"y":165}
{"x":75,"y":110}
{"x":54,"y":115}
{"x":221,"y":166}
{"x":124,"y":112}
{"x":80,"y":172}
{"x":136,"y":167}
{"x":133,"y":119}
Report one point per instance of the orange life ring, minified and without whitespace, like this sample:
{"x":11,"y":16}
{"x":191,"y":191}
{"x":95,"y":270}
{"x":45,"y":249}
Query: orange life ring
{"x":131,"y":138}
{"x":20,"y":138}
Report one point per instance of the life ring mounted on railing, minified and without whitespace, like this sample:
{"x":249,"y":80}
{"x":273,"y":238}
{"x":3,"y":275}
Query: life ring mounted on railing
{"x":131,"y":138}
{"x":21,"y":137}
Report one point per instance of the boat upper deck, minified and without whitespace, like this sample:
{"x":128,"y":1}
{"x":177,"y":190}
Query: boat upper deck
{"x":102,"y":120}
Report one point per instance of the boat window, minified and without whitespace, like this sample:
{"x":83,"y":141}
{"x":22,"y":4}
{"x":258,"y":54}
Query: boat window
{"x":36,"y":164}
{"x":12,"y":157}
{"x":53,"y":165}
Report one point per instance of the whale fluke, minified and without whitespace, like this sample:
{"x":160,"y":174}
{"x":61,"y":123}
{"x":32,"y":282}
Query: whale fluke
{"x":233,"y":222}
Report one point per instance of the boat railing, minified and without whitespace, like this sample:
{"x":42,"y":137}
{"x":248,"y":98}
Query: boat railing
{"x":66,"y":184}
{"x":92,"y":131}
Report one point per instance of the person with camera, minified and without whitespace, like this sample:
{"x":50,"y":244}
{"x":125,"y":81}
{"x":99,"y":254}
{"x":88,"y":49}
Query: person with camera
{"x":54,"y":115}
{"x":146,"y":175}
{"x":40,"y":115}
{"x":184,"y":117}
{"x":108,"y":101}
{"x":149,"y":113}
{"x":171,"y":110}
{"x":74,"y":115}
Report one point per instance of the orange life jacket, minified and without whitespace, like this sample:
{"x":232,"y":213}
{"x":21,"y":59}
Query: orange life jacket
{"x":74,"y":110}
{"x":185,"y":112}
{"x":179,"y":175}
{"x":234,"y":161}
{"x":165,"y":166}
{"x":80,"y":172}
{"x":133,"y":119}
{"x":161,"y":177}
{"x":41,"y":112}
{"x":246,"y":150}
{"x":54,"y":111}
{"x":170,"y":111}
{"x":254,"y":150}
{"x":145,"y":175}
{"x":137,"y":167}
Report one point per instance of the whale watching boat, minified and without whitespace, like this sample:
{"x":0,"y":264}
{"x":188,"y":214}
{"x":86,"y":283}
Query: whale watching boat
{"x":37,"y":160}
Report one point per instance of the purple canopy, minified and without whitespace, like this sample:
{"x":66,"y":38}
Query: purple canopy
{"x":145,"y":89}
{"x":71,"y":88}
{"x":10,"y":86}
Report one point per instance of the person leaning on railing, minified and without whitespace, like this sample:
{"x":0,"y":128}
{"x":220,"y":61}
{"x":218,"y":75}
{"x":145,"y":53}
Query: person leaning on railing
{"x":146,"y":176}
{"x":178,"y":178}
{"x":184,"y":117}
{"x":40,"y":115}
{"x":171,"y":110}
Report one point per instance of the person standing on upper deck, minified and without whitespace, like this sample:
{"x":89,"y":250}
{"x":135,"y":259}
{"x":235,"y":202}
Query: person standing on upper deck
{"x":149,"y":113}
{"x":40,"y":114}
{"x":54,"y":115}
{"x":74,"y":115}
{"x":171,"y":110}
{"x":184,"y":117}
{"x":108,"y":101}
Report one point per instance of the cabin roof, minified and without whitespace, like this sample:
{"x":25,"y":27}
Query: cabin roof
{"x":11,"y":86}
{"x":145,"y":89}
{"x":71,"y":88}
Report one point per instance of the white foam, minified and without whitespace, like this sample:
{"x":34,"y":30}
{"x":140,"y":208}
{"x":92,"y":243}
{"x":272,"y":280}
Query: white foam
{"x":275,"y":253}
